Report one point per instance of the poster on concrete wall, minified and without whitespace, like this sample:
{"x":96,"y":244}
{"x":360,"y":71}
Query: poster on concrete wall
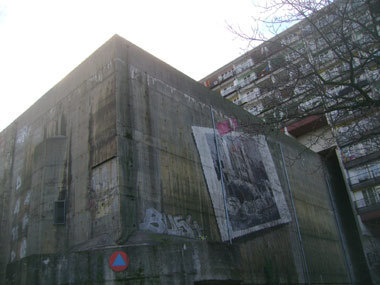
{"x":254,"y":196}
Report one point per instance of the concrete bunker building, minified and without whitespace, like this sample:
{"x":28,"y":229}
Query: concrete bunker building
{"x":121,"y":155}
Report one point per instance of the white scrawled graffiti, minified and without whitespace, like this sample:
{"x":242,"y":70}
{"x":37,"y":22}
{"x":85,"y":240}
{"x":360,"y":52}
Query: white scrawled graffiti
{"x":17,"y":207}
{"x":15,"y":233}
{"x":22,"y":135}
{"x":18,"y":182}
{"x":27,"y":199}
{"x":154,"y":221}
{"x":13,"y":255}
{"x":157,"y":222}
{"x":23,"y":248}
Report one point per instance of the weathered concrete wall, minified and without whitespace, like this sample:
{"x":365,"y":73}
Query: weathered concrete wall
{"x":114,"y":139}
{"x":169,"y":261}
{"x":319,"y":232}
{"x":48,"y":154}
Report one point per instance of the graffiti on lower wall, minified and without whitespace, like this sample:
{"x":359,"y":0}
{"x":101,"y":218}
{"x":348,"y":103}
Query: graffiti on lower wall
{"x":20,"y":220}
{"x":254,"y":197}
{"x":160,"y":223}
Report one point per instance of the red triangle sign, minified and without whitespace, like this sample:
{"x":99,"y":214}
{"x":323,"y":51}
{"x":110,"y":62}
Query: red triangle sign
{"x":118,"y":261}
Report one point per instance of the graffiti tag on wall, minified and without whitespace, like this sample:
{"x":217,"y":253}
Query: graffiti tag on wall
{"x":22,"y":134}
{"x":20,"y":220}
{"x":157,"y":222}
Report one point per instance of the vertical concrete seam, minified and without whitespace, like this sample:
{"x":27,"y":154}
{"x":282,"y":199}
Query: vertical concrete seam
{"x":295,"y":216}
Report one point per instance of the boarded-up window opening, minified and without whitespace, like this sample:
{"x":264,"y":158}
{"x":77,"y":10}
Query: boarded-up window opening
{"x":59,"y":212}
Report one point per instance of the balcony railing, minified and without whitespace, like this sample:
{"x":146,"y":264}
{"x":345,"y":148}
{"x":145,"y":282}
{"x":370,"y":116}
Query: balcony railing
{"x":368,"y":174}
{"x":368,"y":209}
{"x":247,"y":80}
{"x":367,"y":203}
{"x":243,"y":66}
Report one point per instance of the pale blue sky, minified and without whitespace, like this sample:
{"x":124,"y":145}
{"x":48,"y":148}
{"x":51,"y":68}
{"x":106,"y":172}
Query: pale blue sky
{"x":42,"y":41}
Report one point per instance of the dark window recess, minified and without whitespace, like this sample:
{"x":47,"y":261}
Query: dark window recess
{"x":59,"y":212}
{"x":348,"y":90}
{"x":345,"y":91}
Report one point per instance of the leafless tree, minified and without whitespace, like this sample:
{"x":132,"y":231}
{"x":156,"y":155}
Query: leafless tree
{"x":326,"y":64}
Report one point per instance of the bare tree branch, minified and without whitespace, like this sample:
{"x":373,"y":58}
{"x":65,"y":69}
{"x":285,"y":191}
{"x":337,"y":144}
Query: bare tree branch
{"x":327,"y":64}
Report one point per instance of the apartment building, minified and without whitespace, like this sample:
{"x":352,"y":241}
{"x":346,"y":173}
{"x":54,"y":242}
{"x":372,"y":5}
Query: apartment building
{"x":308,"y":82}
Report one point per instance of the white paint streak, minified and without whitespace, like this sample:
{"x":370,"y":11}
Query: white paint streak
{"x":17,"y":207}
{"x":180,"y":227}
{"x":27,"y":199}
{"x":104,"y":183}
{"x":18,"y":182}
{"x":23,"y":248}
{"x":23,"y":133}
{"x":153,"y":81}
{"x":13,"y":256}
{"x":154,"y":221}
{"x":120,"y":60}
{"x":15,"y":233}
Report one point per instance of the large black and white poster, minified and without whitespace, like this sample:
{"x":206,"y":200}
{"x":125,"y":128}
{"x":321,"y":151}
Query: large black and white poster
{"x":254,"y":197}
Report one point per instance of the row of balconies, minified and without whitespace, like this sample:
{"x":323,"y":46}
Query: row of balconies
{"x":309,"y":104}
{"x":363,"y":80}
{"x":349,"y":125}
{"x":315,"y":45}
{"x":249,"y":96}
{"x":246,"y":80}
{"x":364,"y":157}
{"x":290,"y":39}
{"x":298,"y":90}
{"x":239,"y":83}
{"x":342,"y":116}
{"x":235,"y":70}
{"x":320,"y":23}
{"x":312,"y":103}
{"x":320,"y":46}
{"x":228,"y":90}
{"x":355,"y":132}
{"x":344,"y":95}
{"x":335,"y":72}
{"x":238,"y":69}
{"x":243,"y":66}
{"x":367,"y":205}
{"x":364,"y":174}
{"x":361,"y":149}
{"x":257,"y":109}
{"x":328,"y":20}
